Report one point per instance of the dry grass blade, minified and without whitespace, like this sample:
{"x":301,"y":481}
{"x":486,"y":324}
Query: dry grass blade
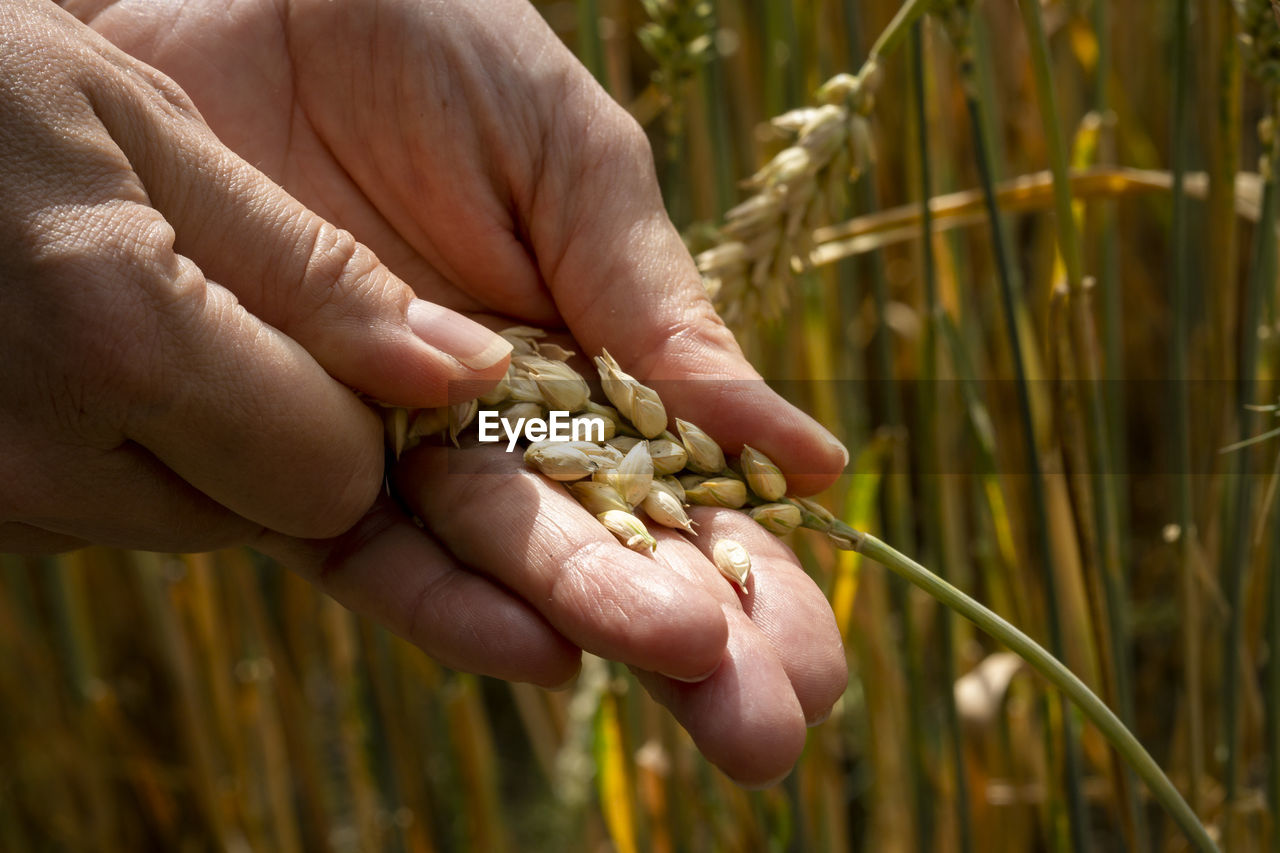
{"x":1022,"y":194}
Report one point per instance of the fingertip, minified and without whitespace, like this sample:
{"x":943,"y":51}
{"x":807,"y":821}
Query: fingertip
{"x":740,"y":412}
{"x":770,"y":783}
{"x":808,"y":454}
{"x":815,"y":478}
{"x":698,"y":679}
{"x":344,"y":476}
{"x":744,"y":719}
{"x":560,"y":687}
{"x":773,"y":744}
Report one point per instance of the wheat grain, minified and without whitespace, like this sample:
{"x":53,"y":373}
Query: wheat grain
{"x":733,"y":561}
{"x":623,"y":471}
{"x":779,"y":519}
{"x":598,"y":497}
{"x":629,"y":530}
{"x":764,"y":477}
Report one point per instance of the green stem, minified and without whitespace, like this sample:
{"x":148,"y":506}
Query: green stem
{"x":932,"y":434}
{"x":897,"y":498}
{"x":898,"y":29}
{"x":1056,"y":141}
{"x":1107,"y":723}
{"x":1261,"y":276}
{"x":899,"y":517}
{"x":715,"y":97}
{"x":777,"y":60}
{"x":1180,"y":303}
{"x":1108,"y":277}
{"x":1039,"y":501}
{"x":1095,"y":410}
{"x":590,"y":50}
{"x":898,"y":505}
{"x":1273,"y":679}
{"x":849,"y":278}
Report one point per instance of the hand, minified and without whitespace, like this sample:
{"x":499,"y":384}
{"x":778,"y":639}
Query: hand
{"x":464,"y":145}
{"x":177,"y":333}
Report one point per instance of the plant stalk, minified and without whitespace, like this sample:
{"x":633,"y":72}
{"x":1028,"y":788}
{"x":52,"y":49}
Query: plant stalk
{"x":1039,"y":514}
{"x":590,"y":50}
{"x":1262,"y":274}
{"x":1107,"y":723}
{"x":1095,"y":410}
{"x":1180,"y":303}
{"x":931,"y":434}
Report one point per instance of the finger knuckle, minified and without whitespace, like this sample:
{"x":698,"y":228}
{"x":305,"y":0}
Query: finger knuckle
{"x":158,"y":89}
{"x":615,"y":143}
{"x":121,"y":303}
{"x":631,"y":141}
{"x":339,"y":275}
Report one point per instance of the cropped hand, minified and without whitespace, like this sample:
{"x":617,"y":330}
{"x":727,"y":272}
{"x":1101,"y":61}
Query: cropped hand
{"x":463,"y":144}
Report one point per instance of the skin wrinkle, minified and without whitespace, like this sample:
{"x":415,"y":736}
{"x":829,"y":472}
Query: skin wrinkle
{"x":484,"y":486}
{"x":401,"y":213}
{"x":607,"y":157}
{"x":300,"y":115}
{"x":529,"y":649}
{"x":590,"y":598}
{"x":536,"y":128}
{"x":367,"y":188}
{"x":338,"y":555}
{"x":335,"y":258}
{"x":421,"y":611}
{"x":108,"y":356}
{"x":525,"y":200}
{"x":682,"y":335}
{"x":402,"y":257}
{"x":482,"y":632}
{"x":191,"y":515}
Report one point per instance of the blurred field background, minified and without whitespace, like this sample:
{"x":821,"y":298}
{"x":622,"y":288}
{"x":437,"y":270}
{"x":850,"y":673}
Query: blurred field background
{"x":193,"y":702}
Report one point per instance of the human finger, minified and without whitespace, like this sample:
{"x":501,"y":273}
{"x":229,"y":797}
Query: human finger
{"x":391,"y":571}
{"x":288,"y":266}
{"x":786,"y":606}
{"x":530,"y":535}
{"x":745,"y":718}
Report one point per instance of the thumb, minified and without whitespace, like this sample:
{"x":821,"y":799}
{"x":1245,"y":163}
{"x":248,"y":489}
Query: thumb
{"x":289,"y":267}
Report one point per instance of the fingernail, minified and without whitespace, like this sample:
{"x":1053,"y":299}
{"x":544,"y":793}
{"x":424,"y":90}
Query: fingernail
{"x":695,"y":679}
{"x":566,"y":684}
{"x":820,"y":719}
{"x":826,"y":436}
{"x":836,"y":444}
{"x":760,"y":786}
{"x":470,"y":343}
